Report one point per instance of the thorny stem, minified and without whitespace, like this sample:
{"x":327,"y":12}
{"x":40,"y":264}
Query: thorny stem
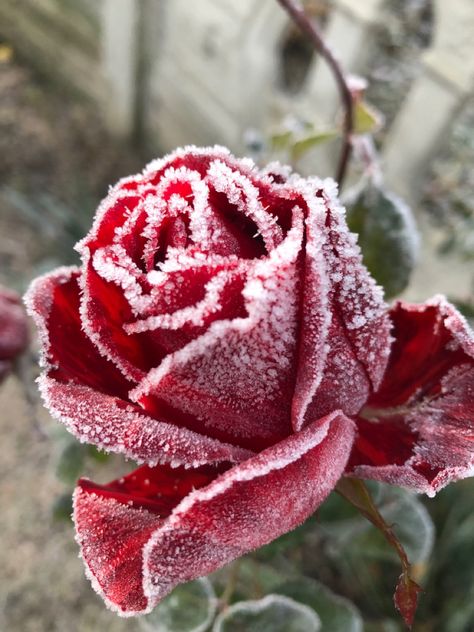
{"x":355,"y":492}
{"x":406,"y":593}
{"x":309,"y":28}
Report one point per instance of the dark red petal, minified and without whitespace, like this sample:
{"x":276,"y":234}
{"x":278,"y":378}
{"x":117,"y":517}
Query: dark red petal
{"x":114,"y":522}
{"x":248,"y":506}
{"x":13,"y":325}
{"x":135,"y":326}
{"x":345,"y":335}
{"x":104,"y":310}
{"x":112,"y":536}
{"x":159,"y":489}
{"x":115,"y":425}
{"x":67,"y":353}
{"x":238,"y":377}
{"x":135,"y":557}
{"x":315,"y":319}
{"x":418,"y":429}
{"x":128,"y":193}
{"x":112,"y":213}
{"x":246,"y":227}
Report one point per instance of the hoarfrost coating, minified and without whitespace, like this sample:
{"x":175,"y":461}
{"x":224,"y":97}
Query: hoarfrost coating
{"x":223,"y":331}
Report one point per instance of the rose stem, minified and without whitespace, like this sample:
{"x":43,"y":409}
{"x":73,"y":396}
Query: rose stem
{"x":308,"y":26}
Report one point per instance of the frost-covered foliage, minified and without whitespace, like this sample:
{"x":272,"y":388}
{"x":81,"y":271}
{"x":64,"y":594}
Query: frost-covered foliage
{"x":450,"y":186}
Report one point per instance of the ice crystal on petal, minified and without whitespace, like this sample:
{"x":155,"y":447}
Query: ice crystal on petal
{"x":244,"y":364}
{"x":113,"y":426}
{"x":343,"y":306}
{"x":247,"y":506}
{"x":425,"y":401}
{"x":219,"y":330}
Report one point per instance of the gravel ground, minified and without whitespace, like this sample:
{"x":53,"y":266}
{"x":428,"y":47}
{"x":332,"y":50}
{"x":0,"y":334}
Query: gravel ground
{"x":42,"y":581}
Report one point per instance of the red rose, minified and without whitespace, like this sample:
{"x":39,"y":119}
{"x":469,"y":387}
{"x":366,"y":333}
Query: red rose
{"x":13,"y":329}
{"x":223,"y":331}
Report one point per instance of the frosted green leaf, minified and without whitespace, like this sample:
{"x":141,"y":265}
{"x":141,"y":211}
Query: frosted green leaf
{"x":61,"y":509}
{"x":411,"y":522}
{"x":190,"y":608}
{"x":274,"y":612}
{"x":387,"y":235}
{"x":70,"y":462}
{"x":402,"y":510}
{"x":337,"y":614}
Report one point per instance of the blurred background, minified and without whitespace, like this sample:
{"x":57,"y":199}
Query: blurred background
{"x":90,"y":90}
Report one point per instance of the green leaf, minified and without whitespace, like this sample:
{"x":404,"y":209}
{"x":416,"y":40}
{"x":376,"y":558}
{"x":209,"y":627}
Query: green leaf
{"x":248,"y":578}
{"x":387,"y":235}
{"x":466,"y":308}
{"x":70,"y":462}
{"x":408,"y":519}
{"x":190,"y":608}
{"x":336,"y":613}
{"x":274,"y":612}
{"x":281,"y":140}
{"x":386,"y":625}
{"x":399,"y":525}
{"x":367,"y":119}
{"x":97,"y":455}
{"x":62,"y":508}
{"x":304,"y":144}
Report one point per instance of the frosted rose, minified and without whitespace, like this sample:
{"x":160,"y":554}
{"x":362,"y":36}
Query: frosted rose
{"x":13,"y":329}
{"x":223,"y":331}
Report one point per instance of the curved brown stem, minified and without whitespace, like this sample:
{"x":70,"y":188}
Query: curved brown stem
{"x":407,"y":590}
{"x":296,"y":11}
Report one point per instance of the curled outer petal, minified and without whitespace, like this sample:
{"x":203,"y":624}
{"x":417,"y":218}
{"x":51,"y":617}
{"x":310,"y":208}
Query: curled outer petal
{"x":137,"y":547}
{"x":417,"y":430}
{"x":115,"y":425}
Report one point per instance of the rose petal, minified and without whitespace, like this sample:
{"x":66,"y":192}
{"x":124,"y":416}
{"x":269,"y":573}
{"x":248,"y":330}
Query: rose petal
{"x":115,"y":425}
{"x":114,"y":522}
{"x":418,"y":429}
{"x":136,"y":327}
{"x":112,"y":536}
{"x":112,"y":214}
{"x":103,"y":310}
{"x":240,"y":192}
{"x":221,"y":298}
{"x":315,"y":317}
{"x":346,"y":335}
{"x":114,"y":210}
{"x":67,"y":353}
{"x":243,"y":365}
{"x":135,"y":556}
